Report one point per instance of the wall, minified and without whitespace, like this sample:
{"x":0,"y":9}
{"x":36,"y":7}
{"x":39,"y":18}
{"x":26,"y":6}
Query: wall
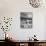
{"x":12,"y":8}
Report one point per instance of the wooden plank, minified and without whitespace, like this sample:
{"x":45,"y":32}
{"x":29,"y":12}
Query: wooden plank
{"x":44,"y":44}
{"x":25,"y":44}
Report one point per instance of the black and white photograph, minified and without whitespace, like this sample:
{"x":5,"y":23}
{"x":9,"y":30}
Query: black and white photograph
{"x":26,"y":19}
{"x":22,"y":22}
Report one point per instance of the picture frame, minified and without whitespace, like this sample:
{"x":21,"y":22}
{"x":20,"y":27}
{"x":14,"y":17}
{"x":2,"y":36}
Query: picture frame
{"x":26,"y":20}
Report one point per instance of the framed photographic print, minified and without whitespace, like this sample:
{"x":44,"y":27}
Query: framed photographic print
{"x":26,"y":19}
